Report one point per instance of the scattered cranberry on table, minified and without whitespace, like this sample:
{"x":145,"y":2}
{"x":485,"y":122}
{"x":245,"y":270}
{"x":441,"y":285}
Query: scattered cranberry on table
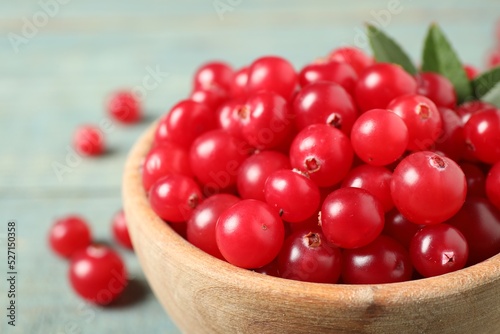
{"x":88,"y":140}
{"x":125,"y":107}
{"x":69,"y":234}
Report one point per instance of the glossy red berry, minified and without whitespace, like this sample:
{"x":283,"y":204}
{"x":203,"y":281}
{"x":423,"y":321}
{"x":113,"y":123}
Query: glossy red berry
{"x":374,"y":179}
{"x":333,"y":71}
{"x":239,"y":83}
{"x":273,"y":74}
{"x":356,"y":58}
{"x":382,"y":261}
{"x":201,"y":225}
{"x":215,"y":159}
{"x":351,"y":217}
{"x":471,"y":71}
{"x":250,"y":234}
{"x":120,"y":230}
{"x":174,"y":197}
{"x":266,"y":120}
{"x":255,"y":170}
{"x":482,"y":135}
{"x":399,"y":228}
{"x":307,"y":256}
{"x":88,"y":140}
{"x":229,"y":117}
{"x":323,"y":152}
{"x":451,"y":140}
{"x":479,"y":222}
{"x":438,"y":89}
{"x":438,"y":249}
{"x":469,"y":108}
{"x":493,"y":185}
{"x":294,"y":196}
{"x":324,"y":103}
{"x":98,"y":274}
{"x":185,"y":122}
{"x":422,"y":119}
{"x":380,"y":84}
{"x":125,"y":107}
{"x":68,"y":235}
{"x":215,"y":74}
{"x":163,"y":159}
{"x":428,"y":188}
{"x":213,"y":98}
{"x":379,"y":137}
{"x":476,"y":179}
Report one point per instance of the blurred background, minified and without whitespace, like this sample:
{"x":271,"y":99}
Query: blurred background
{"x":60,"y":61}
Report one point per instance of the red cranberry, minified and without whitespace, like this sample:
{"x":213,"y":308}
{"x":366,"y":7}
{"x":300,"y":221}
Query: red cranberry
{"x":125,"y":107}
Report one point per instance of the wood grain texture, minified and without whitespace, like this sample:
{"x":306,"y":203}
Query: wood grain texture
{"x":205,"y":295}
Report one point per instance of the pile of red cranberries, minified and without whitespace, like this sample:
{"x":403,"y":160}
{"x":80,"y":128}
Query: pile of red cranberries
{"x":347,"y":171}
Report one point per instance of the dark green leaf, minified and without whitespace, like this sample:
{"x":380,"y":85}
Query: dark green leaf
{"x":386,"y":50}
{"x":493,"y":96}
{"x":485,"y":82}
{"x":440,"y":57}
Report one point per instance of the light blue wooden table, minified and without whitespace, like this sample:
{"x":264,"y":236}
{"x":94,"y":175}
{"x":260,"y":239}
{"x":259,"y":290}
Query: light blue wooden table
{"x":56,"y":74}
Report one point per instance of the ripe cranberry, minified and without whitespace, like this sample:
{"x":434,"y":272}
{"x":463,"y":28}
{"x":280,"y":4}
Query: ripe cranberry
{"x":356,"y":58}
{"x":493,"y":59}
{"x":229,"y":117}
{"x":239,"y":83}
{"x":255,"y":170}
{"x":428,"y":188}
{"x":479,"y":222}
{"x":98,"y":274}
{"x":294,"y":196}
{"x":215,"y":74}
{"x":381,"y":83}
{"x":399,"y":228}
{"x":323,"y":152}
{"x":163,"y":159}
{"x":212,"y":97}
{"x":351,"y":217}
{"x":215,"y":158}
{"x":333,"y":71}
{"x":89,"y":140}
{"x":174,"y":197}
{"x":307,"y":256}
{"x":382,"y":261}
{"x":379,"y":137}
{"x":249,"y":234}
{"x":270,"y":269}
{"x":374,"y":179}
{"x":493,"y":185}
{"x":120,"y":230}
{"x":438,"y":89}
{"x":324,"y":103}
{"x":201,"y":225}
{"x":273,"y":74}
{"x":68,"y":235}
{"x":438,"y":249}
{"x":422,"y":119}
{"x":471,"y":71}
{"x":266,"y":121}
{"x":185,"y":122}
{"x":467,"y":109}
{"x":482,"y":135}
{"x":452,"y":140}
{"x":476,"y":179}
{"x":124,"y":107}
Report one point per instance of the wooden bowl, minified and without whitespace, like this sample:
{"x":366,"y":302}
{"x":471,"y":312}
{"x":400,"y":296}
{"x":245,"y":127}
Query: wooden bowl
{"x":205,"y":295}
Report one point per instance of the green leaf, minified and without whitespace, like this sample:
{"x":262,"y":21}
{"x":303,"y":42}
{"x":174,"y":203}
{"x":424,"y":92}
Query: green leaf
{"x":386,"y":50}
{"x":439,"y":57}
{"x":485,"y":82}
{"x":493,"y":96}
